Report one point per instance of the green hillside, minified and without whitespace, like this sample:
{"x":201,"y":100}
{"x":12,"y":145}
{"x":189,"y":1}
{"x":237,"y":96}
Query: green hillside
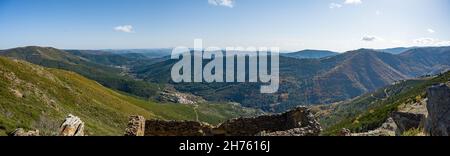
{"x":89,"y":66}
{"x":369,"y":111}
{"x":34,"y":97}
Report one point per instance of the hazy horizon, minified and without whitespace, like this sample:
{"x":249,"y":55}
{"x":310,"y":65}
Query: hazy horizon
{"x":170,"y":48}
{"x":335,"y":25}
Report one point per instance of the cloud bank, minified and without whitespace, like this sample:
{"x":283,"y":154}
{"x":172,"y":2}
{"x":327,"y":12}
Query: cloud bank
{"x":431,"y":42}
{"x":353,"y":2}
{"x":124,"y":28}
{"x":346,"y":2}
{"x":335,"y":5}
{"x":225,"y":3}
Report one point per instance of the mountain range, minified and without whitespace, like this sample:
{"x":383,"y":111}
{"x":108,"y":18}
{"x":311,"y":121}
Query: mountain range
{"x":395,"y":51}
{"x":323,"y":79}
{"x":316,"y":81}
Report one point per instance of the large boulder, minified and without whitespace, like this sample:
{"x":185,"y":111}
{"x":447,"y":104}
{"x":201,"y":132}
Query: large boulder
{"x":136,"y":126}
{"x":72,"y":126}
{"x":407,"y":121}
{"x":438,"y":105}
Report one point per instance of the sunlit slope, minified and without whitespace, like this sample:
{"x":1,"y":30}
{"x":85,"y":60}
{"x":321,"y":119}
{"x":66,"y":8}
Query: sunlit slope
{"x":34,"y":97}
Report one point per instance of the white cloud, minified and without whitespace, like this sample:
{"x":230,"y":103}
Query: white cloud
{"x":371,"y":38}
{"x":335,"y":5}
{"x":431,"y":31}
{"x":431,"y":42}
{"x":424,"y":41}
{"x":124,"y":28}
{"x":226,"y":3}
{"x":353,"y":2}
{"x":378,"y":12}
{"x":443,"y":43}
{"x":340,"y":5}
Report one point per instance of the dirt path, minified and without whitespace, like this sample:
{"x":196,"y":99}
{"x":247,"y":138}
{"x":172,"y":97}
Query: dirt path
{"x":386,"y":93}
{"x":196,"y":113}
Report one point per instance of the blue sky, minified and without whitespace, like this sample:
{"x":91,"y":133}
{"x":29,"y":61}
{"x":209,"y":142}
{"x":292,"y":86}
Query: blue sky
{"x":338,"y":25}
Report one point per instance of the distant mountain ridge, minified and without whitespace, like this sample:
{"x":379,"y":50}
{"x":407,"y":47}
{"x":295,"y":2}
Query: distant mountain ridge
{"x":303,"y":81}
{"x":95,"y":65}
{"x":317,"y":81}
{"x":395,"y":51}
{"x":305,"y":54}
{"x":151,"y":53}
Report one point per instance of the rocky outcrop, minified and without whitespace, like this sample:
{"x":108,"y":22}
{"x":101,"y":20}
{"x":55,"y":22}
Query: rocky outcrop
{"x":438,"y":105}
{"x":407,"y":121}
{"x":345,"y":132}
{"x":177,"y":128}
{"x":72,"y":126}
{"x":136,"y":126}
{"x":173,"y":96}
{"x":432,"y":120}
{"x":22,"y":132}
{"x":297,"y":122}
{"x":388,"y":128}
{"x":306,"y":131}
{"x":300,"y":117}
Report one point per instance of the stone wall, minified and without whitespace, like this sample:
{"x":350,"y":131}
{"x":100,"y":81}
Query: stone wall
{"x":176,"y":128}
{"x":297,"y":122}
{"x":300,"y":117}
